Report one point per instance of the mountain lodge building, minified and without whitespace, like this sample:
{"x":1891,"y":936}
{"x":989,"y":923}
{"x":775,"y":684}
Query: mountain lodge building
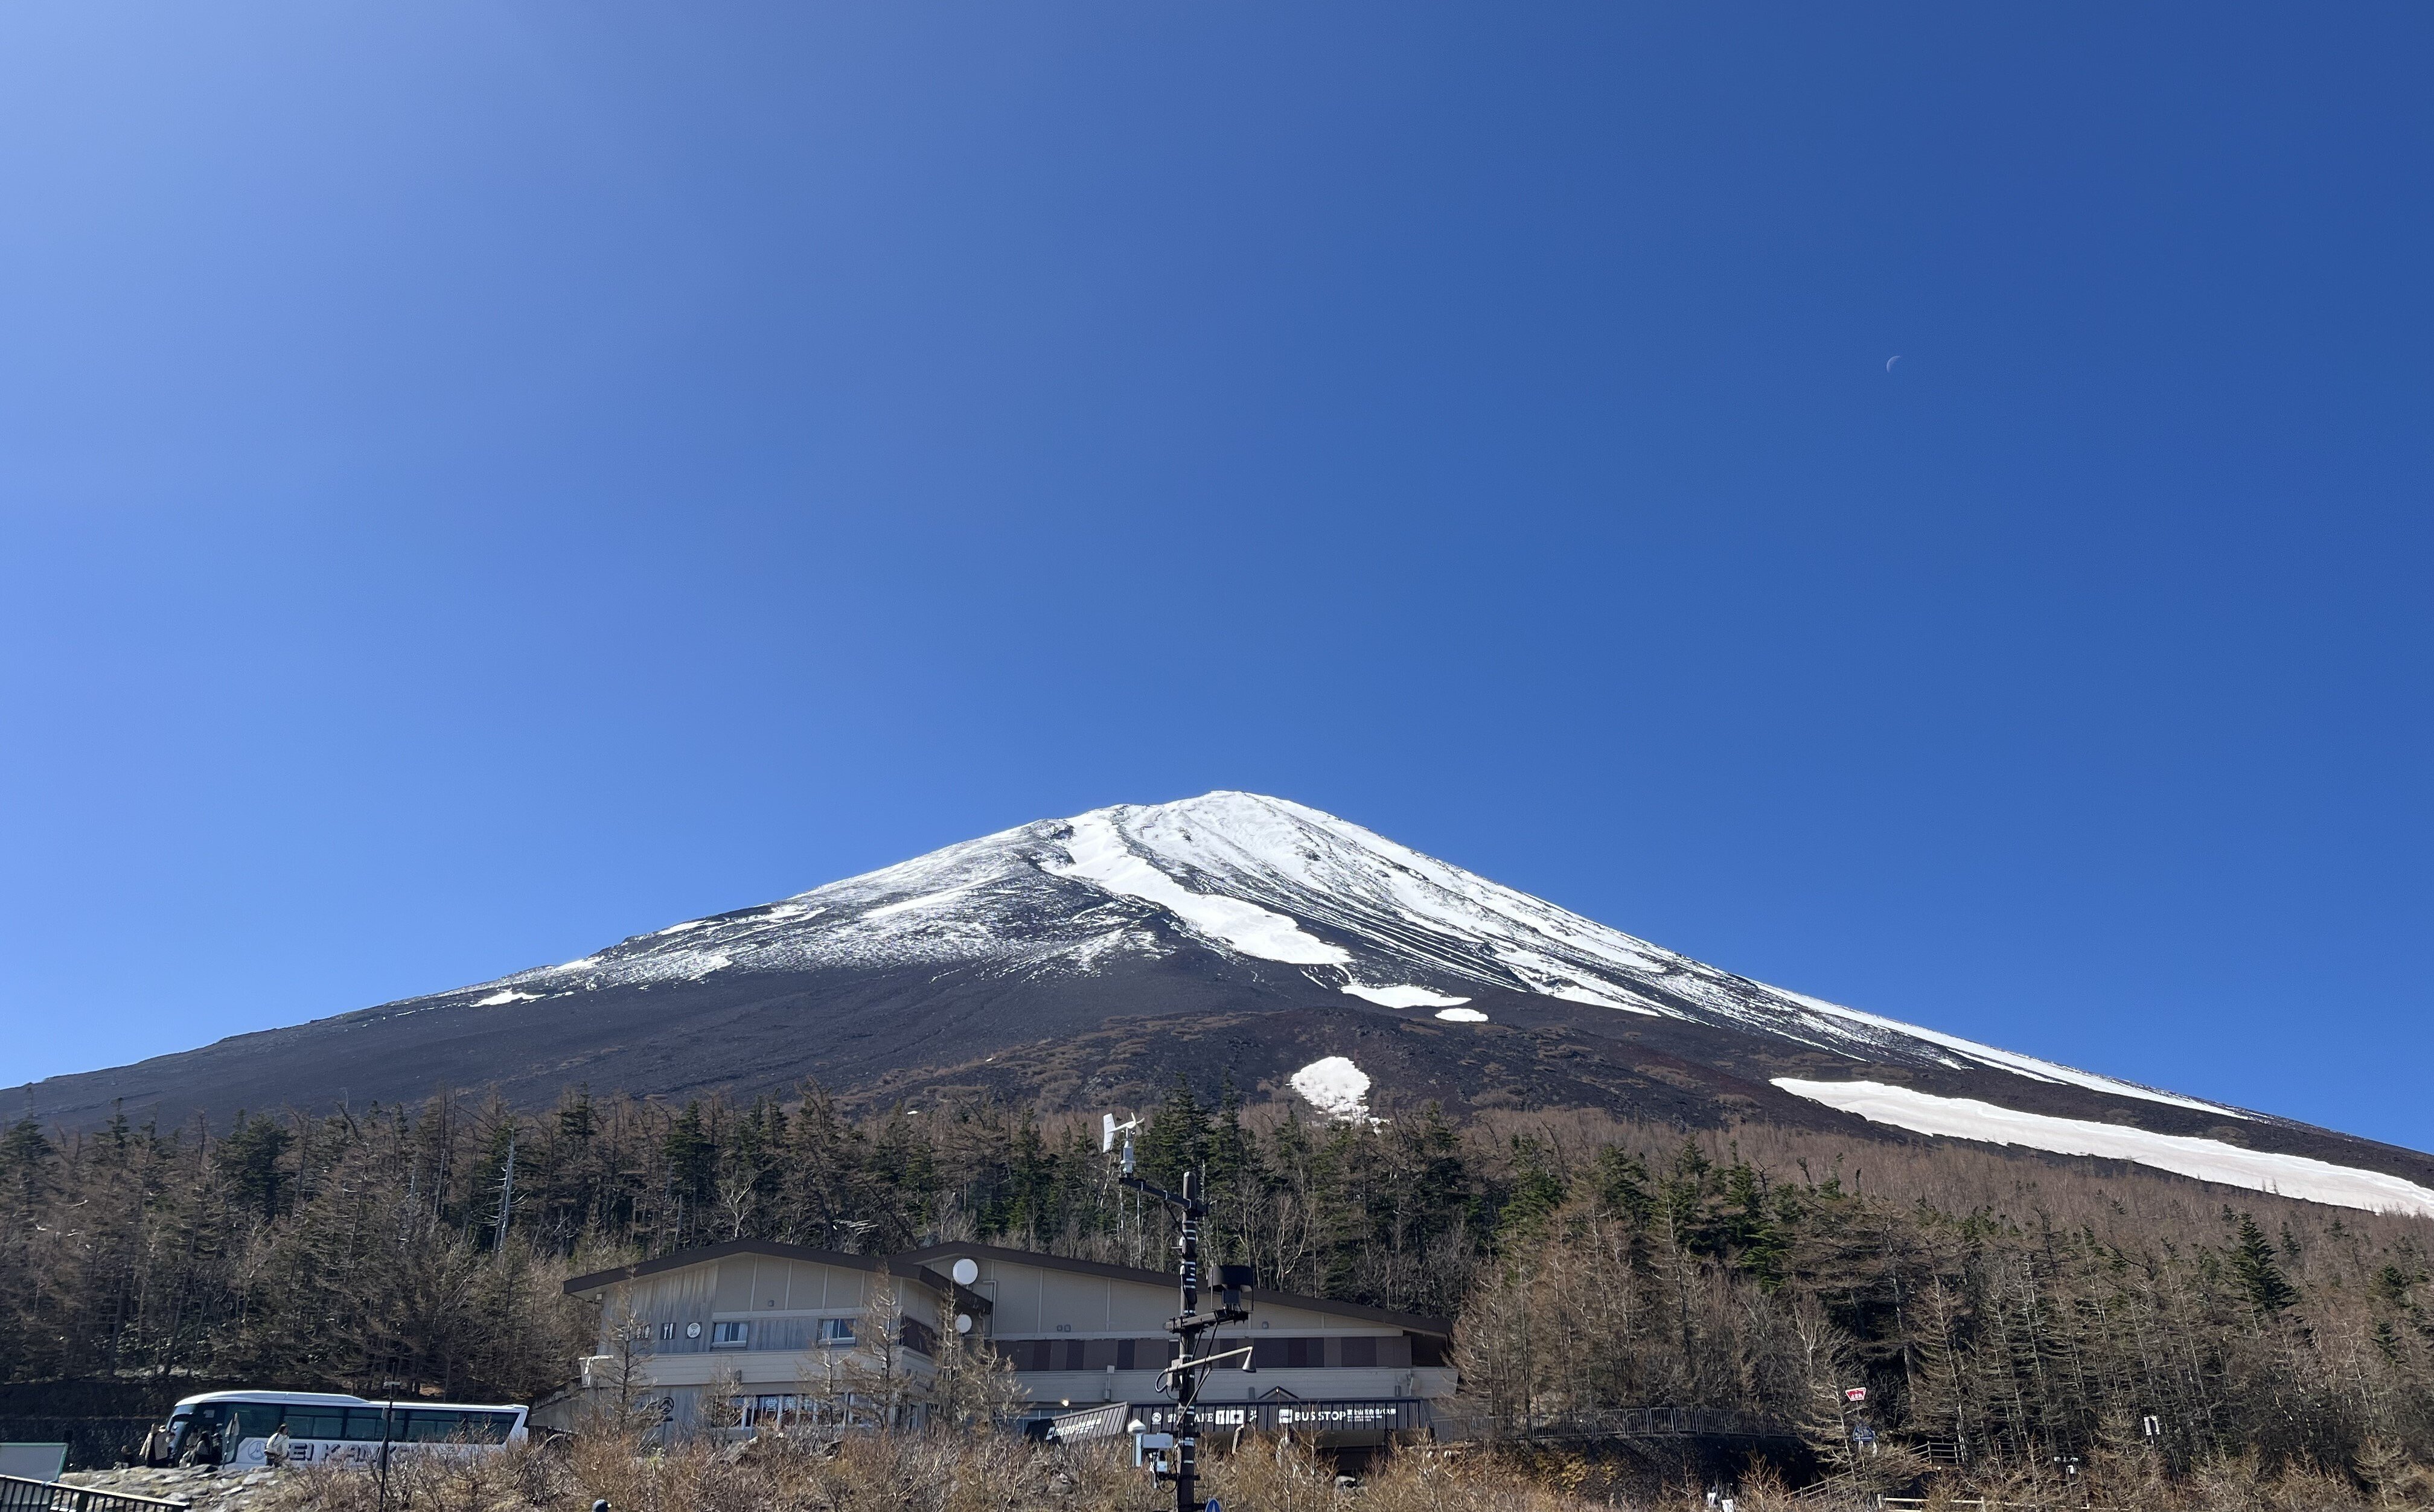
{"x":777,"y":1320}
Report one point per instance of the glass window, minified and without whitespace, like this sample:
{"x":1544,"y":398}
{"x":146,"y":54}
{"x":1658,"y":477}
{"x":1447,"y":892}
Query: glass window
{"x":731,"y":1335}
{"x":836,"y":1331}
{"x":424,"y":1426}
{"x":253,"y":1419}
{"x":487,"y":1427}
{"x":364,"y":1425}
{"x":316,"y":1423}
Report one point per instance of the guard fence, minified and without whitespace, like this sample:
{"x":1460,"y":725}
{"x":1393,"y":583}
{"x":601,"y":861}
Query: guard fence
{"x":17,"y":1494}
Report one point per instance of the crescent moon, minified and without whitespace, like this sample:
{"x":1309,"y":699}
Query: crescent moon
{"x":1890,"y":361}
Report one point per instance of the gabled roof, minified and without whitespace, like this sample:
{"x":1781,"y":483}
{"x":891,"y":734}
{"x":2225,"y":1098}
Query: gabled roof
{"x":916,"y":1265}
{"x":1413,"y":1322}
{"x":908,"y":1265}
{"x":679,"y":1260}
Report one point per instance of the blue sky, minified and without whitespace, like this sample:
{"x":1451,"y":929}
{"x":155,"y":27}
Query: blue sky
{"x":477,"y":481}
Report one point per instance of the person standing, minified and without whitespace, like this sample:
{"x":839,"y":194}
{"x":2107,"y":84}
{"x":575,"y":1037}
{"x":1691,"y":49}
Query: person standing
{"x":274,"y":1451}
{"x":202,"y":1447}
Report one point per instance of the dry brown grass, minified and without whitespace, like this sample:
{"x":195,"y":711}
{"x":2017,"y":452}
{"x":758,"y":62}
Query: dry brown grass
{"x":996,"y":1473}
{"x":908,"y":1473}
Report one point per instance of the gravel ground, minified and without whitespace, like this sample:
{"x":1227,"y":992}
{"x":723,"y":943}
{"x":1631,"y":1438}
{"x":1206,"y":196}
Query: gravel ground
{"x":204,"y":1490}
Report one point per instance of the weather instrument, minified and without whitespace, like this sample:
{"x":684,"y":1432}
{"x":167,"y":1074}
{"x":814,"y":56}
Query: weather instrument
{"x":1195,"y":1352}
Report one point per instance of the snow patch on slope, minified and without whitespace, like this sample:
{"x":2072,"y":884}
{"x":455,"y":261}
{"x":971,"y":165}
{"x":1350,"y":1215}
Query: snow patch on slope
{"x":1099,"y":855}
{"x":1552,"y":979}
{"x":1966,"y":1118}
{"x":2028,"y":1066}
{"x":922,"y":904}
{"x":1335,"y":1086}
{"x":1461,"y":1015}
{"x":1403,"y":997}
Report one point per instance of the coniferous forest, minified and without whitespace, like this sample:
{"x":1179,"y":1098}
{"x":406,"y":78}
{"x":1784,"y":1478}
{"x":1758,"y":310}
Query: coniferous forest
{"x":1998,"y":1311}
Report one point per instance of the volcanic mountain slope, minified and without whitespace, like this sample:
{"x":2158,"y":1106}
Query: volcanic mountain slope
{"x":1087,"y":960}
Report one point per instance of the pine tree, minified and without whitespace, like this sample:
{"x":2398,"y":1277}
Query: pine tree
{"x":25,"y":1160}
{"x":2259,"y":1274}
{"x":1177,"y":1139}
{"x":1533,"y":1197}
{"x":253,"y":1155}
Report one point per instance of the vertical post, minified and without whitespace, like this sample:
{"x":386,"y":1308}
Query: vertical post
{"x":1187,"y":1422}
{"x":387,"y":1405}
{"x":1188,"y":1326}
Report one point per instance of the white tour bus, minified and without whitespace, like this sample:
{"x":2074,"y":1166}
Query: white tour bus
{"x":324,"y":1428}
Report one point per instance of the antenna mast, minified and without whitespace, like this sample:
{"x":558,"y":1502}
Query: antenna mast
{"x":1184,"y":1377}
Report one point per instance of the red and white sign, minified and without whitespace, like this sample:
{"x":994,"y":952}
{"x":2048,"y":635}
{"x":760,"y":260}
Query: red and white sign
{"x":1854,"y":1393}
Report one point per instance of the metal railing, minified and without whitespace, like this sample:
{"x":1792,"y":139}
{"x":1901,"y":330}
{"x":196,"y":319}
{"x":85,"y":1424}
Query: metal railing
{"x":17,"y":1494}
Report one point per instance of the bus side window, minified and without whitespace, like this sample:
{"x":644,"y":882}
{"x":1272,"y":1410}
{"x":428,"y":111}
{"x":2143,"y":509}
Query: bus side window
{"x":316,"y":1422}
{"x":425,"y":1426}
{"x":364,"y":1425}
{"x":487,"y":1427}
{"x":252,"y":1420}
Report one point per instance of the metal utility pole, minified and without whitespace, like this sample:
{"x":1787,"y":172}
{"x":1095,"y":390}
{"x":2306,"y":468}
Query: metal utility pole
{"x":387,"y":1408}
{"x":1183,"y":1377}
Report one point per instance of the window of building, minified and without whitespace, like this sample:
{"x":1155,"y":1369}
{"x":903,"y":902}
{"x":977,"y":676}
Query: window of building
{"x":730,"y":1336}
{"x":836,"y":1331}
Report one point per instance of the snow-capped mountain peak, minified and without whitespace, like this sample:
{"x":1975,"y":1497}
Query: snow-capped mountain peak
{"x":1087,"y":960}
{"x":1260,"y":878}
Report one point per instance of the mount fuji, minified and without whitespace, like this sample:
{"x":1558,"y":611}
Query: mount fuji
{"x":1086,"y":961}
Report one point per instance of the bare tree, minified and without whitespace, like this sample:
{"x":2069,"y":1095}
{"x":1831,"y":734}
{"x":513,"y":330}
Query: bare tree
{"x":617,"y":1382}
{"x":972,"y":1385}
{"x":879,"y":1374}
